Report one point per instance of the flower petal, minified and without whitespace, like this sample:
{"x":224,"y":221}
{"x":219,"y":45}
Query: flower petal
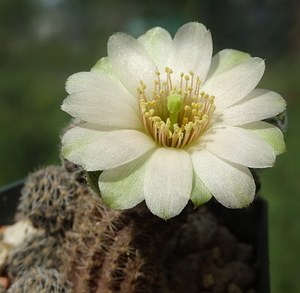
{"x":234,"y":81}
{"x":102,"y":107}
{"x":200,"y":193}
{"x":224,"y":60}
{"x":104,"y":85}
{"x":94,"y":149}
{"x":168,"y":182}
{"x":131,"y":61}
{"x":159,"y":45}
{"x":193,"y":50}
{"x":268,"y":132}
{"x":123,"y":187}
{"x":239,"y":146}
{"x":259,"y":104}
{"x":232,"y":185}
{"x":104,"y":67}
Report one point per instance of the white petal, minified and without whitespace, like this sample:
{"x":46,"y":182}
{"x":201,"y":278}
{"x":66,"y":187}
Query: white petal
{"x":235,"y":82}
{"x":224,"y":60}
{"x":123,"y":187}
{"x":87,"y":145}
{"x":193,"y":50}
{"x":239,"y":146}
{"x":84,"y":81}
{"x":168,"y":182}
{"x":105,"y":85}
{"x":131,"y":61}
{"x":102,"y":107}
{"x":258,"y":105}
{"x":200,"y":193}
{"x":232,"y":185}
{"x":159,"y":45}
{"x":268,"y":132}
{"x":104,"y":67}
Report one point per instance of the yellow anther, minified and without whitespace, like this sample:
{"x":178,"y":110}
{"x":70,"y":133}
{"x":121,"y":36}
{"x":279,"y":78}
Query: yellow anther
{"x":194,"y":111}
{"x":185,"y":120}
{"x":191,"y":73}
{"x":157,"y":73}
{"x":186,"y":77}
{"x":168,"y":123}
{"x":205,"y":117}
{"x":155,"y":119}
{"x":188,"y":127}
{"x":187,"y":108}
{"x":181,"y":74}
{"x":211,"y":99}
{"x":151,"y":112}
{"x":190,"y":88}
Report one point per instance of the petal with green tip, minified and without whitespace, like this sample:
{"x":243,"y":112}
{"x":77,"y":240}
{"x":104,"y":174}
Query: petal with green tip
{"x":269,"y":133}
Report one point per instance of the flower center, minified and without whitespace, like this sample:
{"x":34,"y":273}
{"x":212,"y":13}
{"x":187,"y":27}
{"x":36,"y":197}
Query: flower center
{"x":175,"y":115}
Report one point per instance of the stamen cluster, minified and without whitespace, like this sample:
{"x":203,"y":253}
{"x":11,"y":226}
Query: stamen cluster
{"x":175,"y":129}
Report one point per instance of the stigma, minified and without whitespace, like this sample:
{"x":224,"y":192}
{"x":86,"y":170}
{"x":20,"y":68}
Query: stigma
{"x":175,"y":115}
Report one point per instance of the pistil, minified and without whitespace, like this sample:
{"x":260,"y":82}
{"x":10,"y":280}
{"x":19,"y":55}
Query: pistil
{"x":174,"y":105}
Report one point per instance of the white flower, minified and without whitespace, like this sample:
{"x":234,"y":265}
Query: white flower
{"x":168,"y":123}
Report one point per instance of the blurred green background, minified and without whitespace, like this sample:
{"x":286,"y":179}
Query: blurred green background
{"x":45,"y":41}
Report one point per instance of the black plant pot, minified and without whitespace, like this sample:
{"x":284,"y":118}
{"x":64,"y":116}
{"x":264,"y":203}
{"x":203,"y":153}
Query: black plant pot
{"x":249,"y":225}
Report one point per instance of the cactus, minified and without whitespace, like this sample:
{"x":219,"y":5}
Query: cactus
{"x":113,"y":251}
{"x":47,"y":198}
{"x":40,"y":280}
{"x":39,"y":249}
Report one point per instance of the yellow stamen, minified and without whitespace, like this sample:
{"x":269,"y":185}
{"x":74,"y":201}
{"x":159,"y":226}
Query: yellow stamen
{"x":177,"y":114}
